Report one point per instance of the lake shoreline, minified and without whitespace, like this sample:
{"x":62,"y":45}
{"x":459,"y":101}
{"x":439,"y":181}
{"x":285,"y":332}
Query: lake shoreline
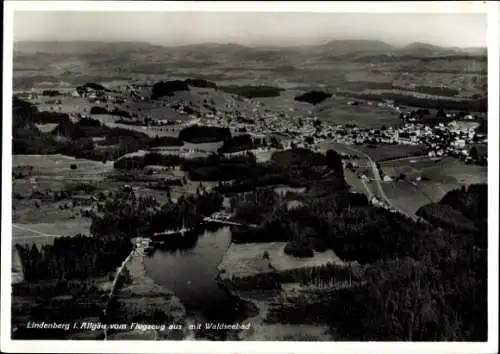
{"x":140,"y":296}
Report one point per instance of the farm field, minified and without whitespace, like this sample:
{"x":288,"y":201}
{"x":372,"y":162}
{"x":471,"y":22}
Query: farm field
{"x":405,"y":196}
{"x":68,"y":104}
{"x":53,"y":172}
{"x":444,"y":170}
{"x":386,"y":152}
{"x":60,"y":165}
{"x":46,"y":232}
{"x":336,"y":110}
{"x":439,"y":176}
{"x":40,"y":219}
{"x":246,"y":259}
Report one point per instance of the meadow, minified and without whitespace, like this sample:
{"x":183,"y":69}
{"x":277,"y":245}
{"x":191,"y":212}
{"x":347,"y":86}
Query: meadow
{"x":406,"y":196}
{"x":445,"y":169}
{"x":389,"y":152}
{"x":437,"y":176}
{"x":336,"y":110}
{"x":246,"y":259}
{"x":36,"y":217}
{"x":45,"y":232}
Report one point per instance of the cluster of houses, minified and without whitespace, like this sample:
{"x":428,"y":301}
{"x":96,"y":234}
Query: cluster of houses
{"x":421,"y":113}
{"x":86,"y":92}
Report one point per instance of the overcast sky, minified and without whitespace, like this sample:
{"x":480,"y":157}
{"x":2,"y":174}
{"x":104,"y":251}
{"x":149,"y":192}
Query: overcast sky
{"x":252,"y":28}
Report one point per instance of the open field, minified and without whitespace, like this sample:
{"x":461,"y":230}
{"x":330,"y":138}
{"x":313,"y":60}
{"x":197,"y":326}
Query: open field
{"x":60,"y":165}
{"x":286,"y":103}
{"x":68,"y":104}
{"x":445,"y":169}
{"x":208,"y":147}
{"x":41,"y":219}
{"x":53,"y":173}
{"x":406,"y":196}
{"x":336,"y":110}
{"x":379,"y":152}
{"x":45,"y":233}
{"x":46,"y":128}
{"x":247,"y":259}
{"x":387,"y":152}
{"x":439,"y":176}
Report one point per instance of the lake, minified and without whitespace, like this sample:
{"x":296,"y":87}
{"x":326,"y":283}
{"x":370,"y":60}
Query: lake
{"x":191,"y":275}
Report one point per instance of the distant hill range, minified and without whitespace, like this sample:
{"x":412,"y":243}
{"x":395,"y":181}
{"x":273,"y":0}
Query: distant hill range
{"x":215,"y":51}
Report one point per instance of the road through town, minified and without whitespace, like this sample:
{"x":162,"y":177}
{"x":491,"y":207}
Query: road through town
{"x":377,"y":179}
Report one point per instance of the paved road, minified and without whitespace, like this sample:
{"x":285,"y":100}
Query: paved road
{"x":377,"y":180}
{"x":368,"y":190}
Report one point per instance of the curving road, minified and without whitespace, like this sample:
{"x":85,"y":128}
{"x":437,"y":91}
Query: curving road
{"x":378,"y":179}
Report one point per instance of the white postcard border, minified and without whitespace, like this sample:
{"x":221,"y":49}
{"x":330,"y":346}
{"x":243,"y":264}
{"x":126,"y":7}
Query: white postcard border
{"x":491,"y":7}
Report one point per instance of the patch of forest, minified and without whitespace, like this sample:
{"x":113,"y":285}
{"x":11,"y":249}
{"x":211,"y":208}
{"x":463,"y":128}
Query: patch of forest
{"x":93,"y":86}
{"x":168,"y":88}
{"x":51,"y":93}
{"x":204,"y":134}
{"x":201,"y":83}
{"x":313,"y":97}
{"x":244,"y":142}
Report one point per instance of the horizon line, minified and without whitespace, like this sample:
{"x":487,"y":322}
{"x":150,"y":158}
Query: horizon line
{"x":246,"y":45}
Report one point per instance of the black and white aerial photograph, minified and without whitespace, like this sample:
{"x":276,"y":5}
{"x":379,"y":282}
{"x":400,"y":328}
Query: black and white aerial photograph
{"x":248,"y":176}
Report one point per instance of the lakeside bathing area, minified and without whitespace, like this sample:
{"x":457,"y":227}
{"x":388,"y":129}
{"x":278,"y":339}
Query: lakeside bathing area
{"x":141,"y":292}
{"x":140,"y":296}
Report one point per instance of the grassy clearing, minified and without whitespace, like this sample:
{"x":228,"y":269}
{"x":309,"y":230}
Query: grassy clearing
{"x":247,"y":259}
{"x":60,"y":165}
{"x":46,"y":128}
{"x":439,"y":176}
{"x":152,"y":109}
{"x":286,"y":103}
{"x":68,"y":104}
{"x":444,"y":170}
{"x":383,"y":152}
{"x":336,"y":110}
{"x":406,"y":196}
{"x":25,"y":212}
{"x":209,"y":147}
{"x":53,"y":173}
{"x":45,"y":233}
